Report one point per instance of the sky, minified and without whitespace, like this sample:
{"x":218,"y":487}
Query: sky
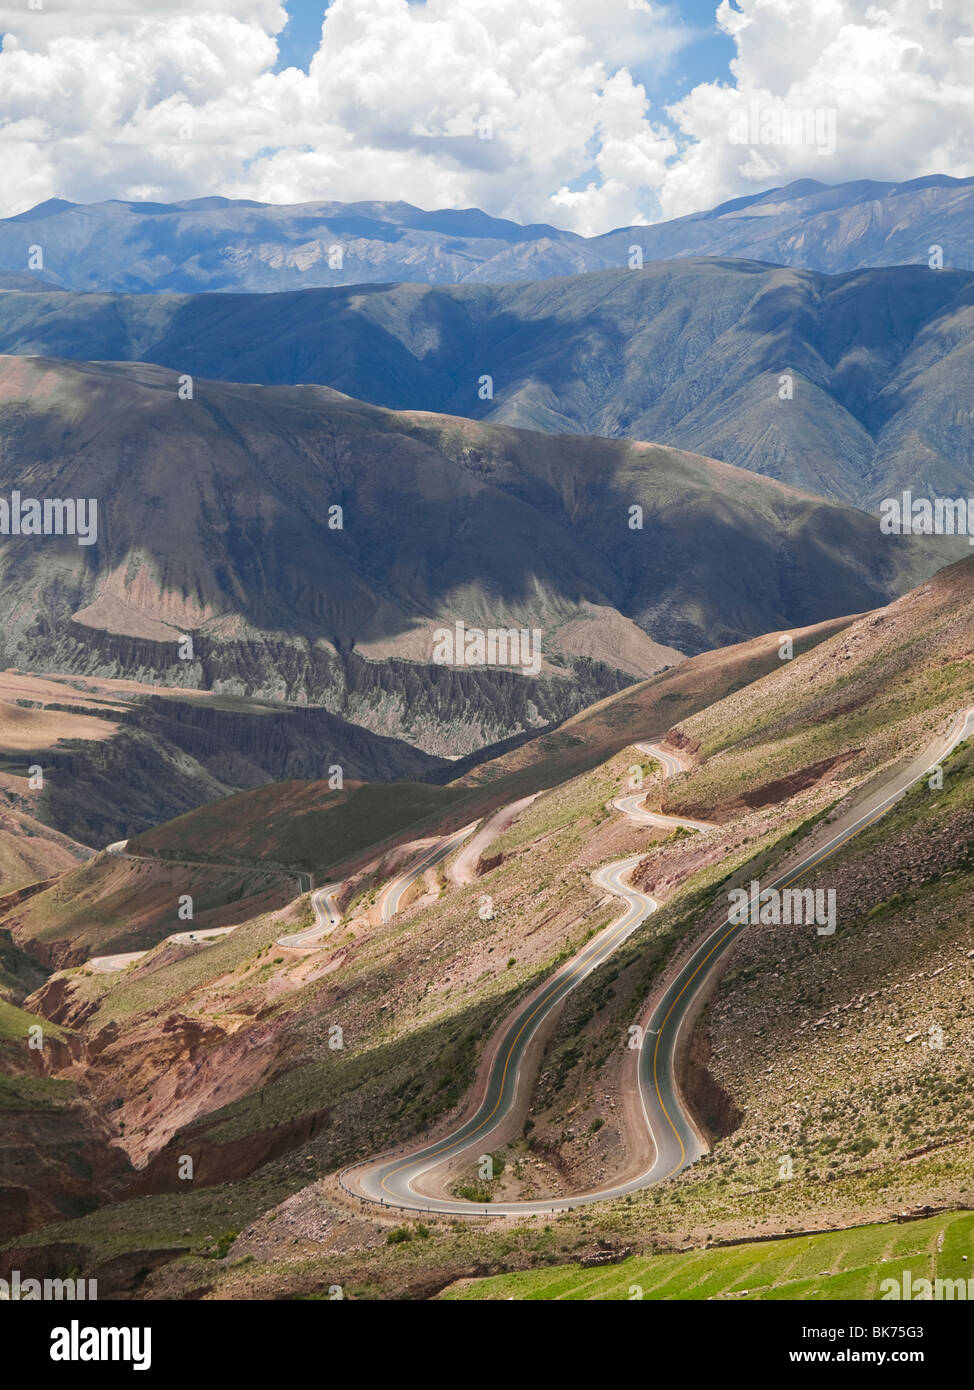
{"x":589,"y":114}
{"x":705,"y":54}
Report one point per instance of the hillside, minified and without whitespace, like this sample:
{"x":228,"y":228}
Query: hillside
{"x":224,"y":533}
{"x":687,"y":353}
{"x":845,"y":1265}
{"x":817,"y":1048}
{"x":642,"y":711}
{"x":826,"y":1049}
{"x":305,"y":824}
{"x":119,"y":756}
{"x":312,"y":827}
{"x":866,"y":698}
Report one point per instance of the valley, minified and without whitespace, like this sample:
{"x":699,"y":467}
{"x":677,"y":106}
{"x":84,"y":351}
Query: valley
{"x":485,"y":727}
{"x":271,"y":1111}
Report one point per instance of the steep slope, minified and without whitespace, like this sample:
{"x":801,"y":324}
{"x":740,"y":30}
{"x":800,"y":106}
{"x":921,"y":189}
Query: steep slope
{"x":863,"y":699}
{"x":262,"y":1098}
{"x":816,"y":1048}
{"x":117,"y":757}
{"x":312,"y":827}
{"x":237,"y":244}
{"x":56,"y":1156}
{"x":826,"y":1049}
{"x":687,"y":353}
{"x":307,"y":824}
{"x":652,"y":706}
{"x":30,"y":850}
{"x":115,"y":904}
{"x":57,"y":1160}
{"x":216,"y":523}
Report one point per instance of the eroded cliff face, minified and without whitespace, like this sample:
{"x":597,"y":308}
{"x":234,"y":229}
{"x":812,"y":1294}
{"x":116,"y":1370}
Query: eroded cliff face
{"x":279,"y":710}
{"x":105,"y":1113}
{"x":171,"y":755}
{"x":55,"y":1163}
{"x":58,"y":1158}
{"x":155,"y":1089}
{"x":446,"y":711}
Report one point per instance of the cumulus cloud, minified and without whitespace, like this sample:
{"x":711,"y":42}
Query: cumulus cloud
{"x":531,"y":109}
{"x":894,"y":77}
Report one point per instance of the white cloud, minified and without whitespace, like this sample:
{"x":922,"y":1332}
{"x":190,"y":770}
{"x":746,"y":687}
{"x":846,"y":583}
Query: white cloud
{"x":152,"y":98}
{"x":897,"y":76}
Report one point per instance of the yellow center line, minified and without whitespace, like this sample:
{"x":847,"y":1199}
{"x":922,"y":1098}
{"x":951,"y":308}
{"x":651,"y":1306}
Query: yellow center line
{"x":737,"y":927}
{"x":556,"y":986}
{"x":603,"y":947}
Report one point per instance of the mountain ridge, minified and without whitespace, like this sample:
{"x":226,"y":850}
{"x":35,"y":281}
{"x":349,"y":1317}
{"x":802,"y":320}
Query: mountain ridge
{"x":690,"y":353}
{"x":215,"y":526}
{"x":226,"y":244}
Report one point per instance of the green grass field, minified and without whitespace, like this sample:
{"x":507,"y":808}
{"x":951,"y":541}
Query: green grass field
{"x":838,"y":1265}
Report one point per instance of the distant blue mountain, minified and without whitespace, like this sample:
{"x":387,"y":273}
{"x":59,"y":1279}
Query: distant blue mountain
{"x":688,"y":353}
{"x":222,"y":244}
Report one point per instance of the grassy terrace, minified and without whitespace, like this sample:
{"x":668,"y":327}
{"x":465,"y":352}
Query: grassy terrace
{"x":849,"y":1264}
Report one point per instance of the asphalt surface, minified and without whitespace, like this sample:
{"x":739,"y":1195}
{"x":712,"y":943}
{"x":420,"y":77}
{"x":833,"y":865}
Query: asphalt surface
{"x":632,"y":806}
{"x":390,"y":899}
{"x":463,"y":870}
{"x":327,"y":917}
{"x":327,"y":912}
{"x":392,"y":1180}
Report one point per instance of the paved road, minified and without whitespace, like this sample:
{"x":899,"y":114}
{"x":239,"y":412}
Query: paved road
{"x":392,"y":895}
{"x":327,"y":913}
{"x":108,"y":965}
{"x":327,"y":917}
{"x":393,"y":1180}
{"x":632,"y":806}
{"x":463,"y":870}
{"x":200,"y":936}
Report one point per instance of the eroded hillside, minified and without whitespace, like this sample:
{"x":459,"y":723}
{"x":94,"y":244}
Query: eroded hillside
{"x":830,"y":1072}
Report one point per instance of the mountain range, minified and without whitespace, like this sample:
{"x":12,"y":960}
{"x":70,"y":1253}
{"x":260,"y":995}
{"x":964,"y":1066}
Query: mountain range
{"x":215,"y":243}
{"x":875,"y":366}
{"x":311,"y":547}
{"x":290,"y":499}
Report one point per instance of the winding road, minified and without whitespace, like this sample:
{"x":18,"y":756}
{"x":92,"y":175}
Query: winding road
{"x":632,"y":806}
{"x":205,"y":936}
{"x":395,"y":1180}
{"x":390,"y":899}
{"x":328,"y":915}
